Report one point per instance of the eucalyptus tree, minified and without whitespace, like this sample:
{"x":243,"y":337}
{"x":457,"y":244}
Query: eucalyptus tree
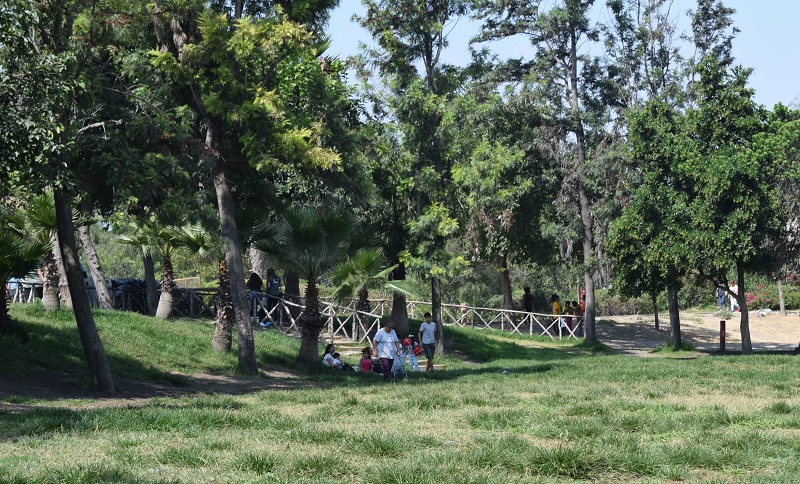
{"x":570,"y":80}
{"x":411,"y":35}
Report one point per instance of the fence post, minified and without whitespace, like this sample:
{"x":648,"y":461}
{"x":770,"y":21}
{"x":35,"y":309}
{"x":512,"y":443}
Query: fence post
{"x":722,"y":335}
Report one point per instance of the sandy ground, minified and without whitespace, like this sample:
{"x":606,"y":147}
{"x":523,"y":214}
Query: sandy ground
{"x":636,"y":335}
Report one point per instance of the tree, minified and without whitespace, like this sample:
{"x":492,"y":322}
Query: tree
{"x":571,"y":85}
{"x":734,"y":203}
{"x":410,"y":32}
{"x":310,"y":242}
{"x":19,"y":257}
{"x":365,"y":270}
{"x":229,"y":67}
{"x":647,"y":242}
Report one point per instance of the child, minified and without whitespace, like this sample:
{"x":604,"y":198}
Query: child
{"x":399,"y":366}
{"x":366,"y":363}
{"x":408,"y":347}
{"x":339,"y":364}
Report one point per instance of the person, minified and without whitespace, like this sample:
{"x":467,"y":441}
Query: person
{"x":327,"y":357}
{"x":399,"y":366}
{"x":408,"y":346}
{"x":576,"y":310}
{"x":567,"y":322}
{"x":338,"y":364}
{"x":367,"y":363}
{"x":555,"y":304}
{"x":386,"y":345}
{"x":427,"y":335}
{"x":734,"y":288}
{"x":12,"y":287}
{"x":273,"y":291}
{"x":527,"y":300}
{"x":720,"y":293}
{"x":255,"y":295}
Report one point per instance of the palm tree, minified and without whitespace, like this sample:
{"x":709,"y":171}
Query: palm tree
{"x":357,"y":275}
{"x":18,"y":257}
{"x":137,"y":235}
{"x":310,"y":242}
{"x":41,"y":220}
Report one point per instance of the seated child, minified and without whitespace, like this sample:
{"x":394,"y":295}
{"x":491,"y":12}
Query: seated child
{"x":366,"y":363}
{"x":339,"y":364}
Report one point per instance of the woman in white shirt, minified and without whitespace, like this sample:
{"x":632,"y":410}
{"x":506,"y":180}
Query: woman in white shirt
{"x":386,"y":345}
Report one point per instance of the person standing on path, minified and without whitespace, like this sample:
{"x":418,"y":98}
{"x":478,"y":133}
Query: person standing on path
{"x":427,"y":335}
{"x":386,"y":345}
{"x":527,"y":300}
{"x":735,"y":290}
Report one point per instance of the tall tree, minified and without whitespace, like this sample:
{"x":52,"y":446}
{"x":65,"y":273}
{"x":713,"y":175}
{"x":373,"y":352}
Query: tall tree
{"x":570,"y":81}
{"x":231,"y":66}
{"x":412,"y":33}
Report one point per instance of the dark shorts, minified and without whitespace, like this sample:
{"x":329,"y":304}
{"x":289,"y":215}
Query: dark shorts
{"x":430,"y":349}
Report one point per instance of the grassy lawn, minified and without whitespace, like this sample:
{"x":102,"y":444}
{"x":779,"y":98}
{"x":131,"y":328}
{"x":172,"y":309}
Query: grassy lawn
{"x":506,"y":409}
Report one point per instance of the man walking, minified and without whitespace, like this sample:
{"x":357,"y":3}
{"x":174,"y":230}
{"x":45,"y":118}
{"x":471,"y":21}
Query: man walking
{"x":427,"y":335}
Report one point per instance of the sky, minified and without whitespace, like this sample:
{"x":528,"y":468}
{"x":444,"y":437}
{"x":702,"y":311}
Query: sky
{"x":768,"y":42}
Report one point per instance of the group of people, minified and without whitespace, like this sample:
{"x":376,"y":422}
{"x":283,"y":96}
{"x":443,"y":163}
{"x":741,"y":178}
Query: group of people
{"x":568,"y":310}
{"x":255,"y":294}
{"x":721,"y":294}
{"x":391,"y":352}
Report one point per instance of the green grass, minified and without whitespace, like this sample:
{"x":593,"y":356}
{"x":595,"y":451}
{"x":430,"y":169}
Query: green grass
{"x":506,"y":409}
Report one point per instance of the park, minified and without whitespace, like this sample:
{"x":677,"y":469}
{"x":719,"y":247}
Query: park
{"x":588,"y":219}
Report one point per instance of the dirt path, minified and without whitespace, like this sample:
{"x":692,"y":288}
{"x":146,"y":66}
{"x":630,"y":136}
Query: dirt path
{"x":637,"y":336}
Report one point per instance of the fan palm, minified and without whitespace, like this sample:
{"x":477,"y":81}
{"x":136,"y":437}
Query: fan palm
{"x":356,"y":276}
{"x":310,"y":242}
{"x":18,"y":257}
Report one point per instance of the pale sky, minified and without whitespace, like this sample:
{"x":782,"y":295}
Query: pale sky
{"x":768,"y":42}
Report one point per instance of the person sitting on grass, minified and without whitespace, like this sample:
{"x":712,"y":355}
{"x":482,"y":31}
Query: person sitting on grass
{"x":327,"y":358}
{"x":367,"y":363}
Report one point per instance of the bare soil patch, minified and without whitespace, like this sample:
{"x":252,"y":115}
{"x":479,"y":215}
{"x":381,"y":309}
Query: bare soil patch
{"x":637,"y":336}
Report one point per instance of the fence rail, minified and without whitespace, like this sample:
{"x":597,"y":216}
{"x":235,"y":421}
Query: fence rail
{"x":345,"y":322}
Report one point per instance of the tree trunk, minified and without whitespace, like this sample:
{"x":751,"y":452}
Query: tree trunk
{"x":436,"y":310}
{"x":63,"y":286}
{"x":310,"y":324}
{"x":90,"y":338}
{"x":233,"y":250}
{"x":360,"y":325}
{"x":99,"y":278}
{"x":505,"y":284}
{"x":150,"y":287}
{"x":780,"y":297}
{"x":399,"y":303}
{"x":291,"y":283}
{"x":50,"y":282}
{"x":674,"y":318}
{"x":258,"y":261}
{"x":165,"y":303}
{"x":222,"y":341}
{"x":5,"y":319}
{"x":744,"y":325}
{"x":655,"y":309}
